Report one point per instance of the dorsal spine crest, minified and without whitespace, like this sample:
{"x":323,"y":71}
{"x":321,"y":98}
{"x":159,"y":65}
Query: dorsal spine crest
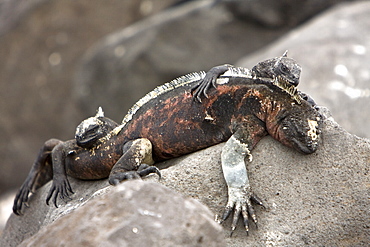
{"x":178,"y":82}
{"x":287,"y":88}
{"x":237,"y":72}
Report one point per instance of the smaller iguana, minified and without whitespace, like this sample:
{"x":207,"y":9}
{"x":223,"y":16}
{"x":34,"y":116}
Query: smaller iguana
{"x":168,"y":122}
{"x":286,"y":69}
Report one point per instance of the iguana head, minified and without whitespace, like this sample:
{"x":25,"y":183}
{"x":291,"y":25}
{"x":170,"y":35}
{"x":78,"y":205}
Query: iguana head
{"x":298,"y":127}
{"x":284,"y":68}
{"x":91,"y":130}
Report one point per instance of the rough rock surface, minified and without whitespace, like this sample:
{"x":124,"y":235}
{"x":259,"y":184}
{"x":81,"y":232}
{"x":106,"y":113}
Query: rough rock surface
{"x":318,"y":199}
{"x":334,"y":52}
{"x":135,"y":213}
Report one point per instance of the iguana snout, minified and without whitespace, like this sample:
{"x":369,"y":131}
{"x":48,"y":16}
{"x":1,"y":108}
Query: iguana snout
{"x":300,"y":130}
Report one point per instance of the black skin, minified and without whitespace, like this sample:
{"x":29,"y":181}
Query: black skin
{"x":173,"y":124}
{"x":308,"y":98}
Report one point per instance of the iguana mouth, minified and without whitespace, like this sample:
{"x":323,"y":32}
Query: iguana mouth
{"x":287,"y":87}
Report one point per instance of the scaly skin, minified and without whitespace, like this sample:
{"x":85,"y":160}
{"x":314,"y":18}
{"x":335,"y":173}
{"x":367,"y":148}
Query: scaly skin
{"x":168,"y":123}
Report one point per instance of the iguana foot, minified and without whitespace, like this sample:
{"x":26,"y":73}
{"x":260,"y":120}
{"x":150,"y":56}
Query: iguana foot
{"x":142,"y":171}
{"x":240,"y":201}
{"x":59,"y":187}
{"x":21,"y":199}
{"x":145,"y":170}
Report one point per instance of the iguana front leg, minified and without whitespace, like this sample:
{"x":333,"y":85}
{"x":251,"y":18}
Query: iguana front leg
{"x":208,"y":81}
{"x":240,"y":195}
{"x":60,"y":184}
{"x":135,"y":162}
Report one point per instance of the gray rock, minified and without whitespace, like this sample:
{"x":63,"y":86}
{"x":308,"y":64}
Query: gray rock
{"x":334,"y":51}
{"x":39,"y":214}
{"x":318,"y":199}
{"x":135,"y":213}
{"x":12,"y":12}
{"x":271,"y":13}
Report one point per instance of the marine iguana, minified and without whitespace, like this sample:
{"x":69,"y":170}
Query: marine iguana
{"x":168,"y":123}
{"x":286,"y":69}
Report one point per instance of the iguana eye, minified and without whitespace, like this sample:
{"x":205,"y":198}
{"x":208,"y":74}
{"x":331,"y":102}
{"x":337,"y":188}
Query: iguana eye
{"x":92,"y":129}
{"x":284,"y":68}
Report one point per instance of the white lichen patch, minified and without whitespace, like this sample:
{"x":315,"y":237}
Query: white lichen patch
{"x":221,"y":81}
{"x":208,"y":117}
{"x":233,"y":162}
{"x":233,"y":72}
{"x":144,"y":153}
{"x":312,"y":132}
{"x":243,"y":147}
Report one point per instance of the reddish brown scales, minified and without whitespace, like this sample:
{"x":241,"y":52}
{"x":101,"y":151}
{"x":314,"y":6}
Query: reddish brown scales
{"x":177,"y":125}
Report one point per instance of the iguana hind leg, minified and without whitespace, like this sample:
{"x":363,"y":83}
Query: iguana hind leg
{"x":135,"y":162}
{"x":41,"y":173}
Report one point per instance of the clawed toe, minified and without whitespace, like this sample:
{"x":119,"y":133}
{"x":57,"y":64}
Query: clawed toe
{"x":146,"y":170}
{"x":21,"y":199}
{"x":257,"y":201}
{"x":241,"y":204}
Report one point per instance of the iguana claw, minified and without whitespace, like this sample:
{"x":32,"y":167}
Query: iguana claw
{"x":21,"y":199}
